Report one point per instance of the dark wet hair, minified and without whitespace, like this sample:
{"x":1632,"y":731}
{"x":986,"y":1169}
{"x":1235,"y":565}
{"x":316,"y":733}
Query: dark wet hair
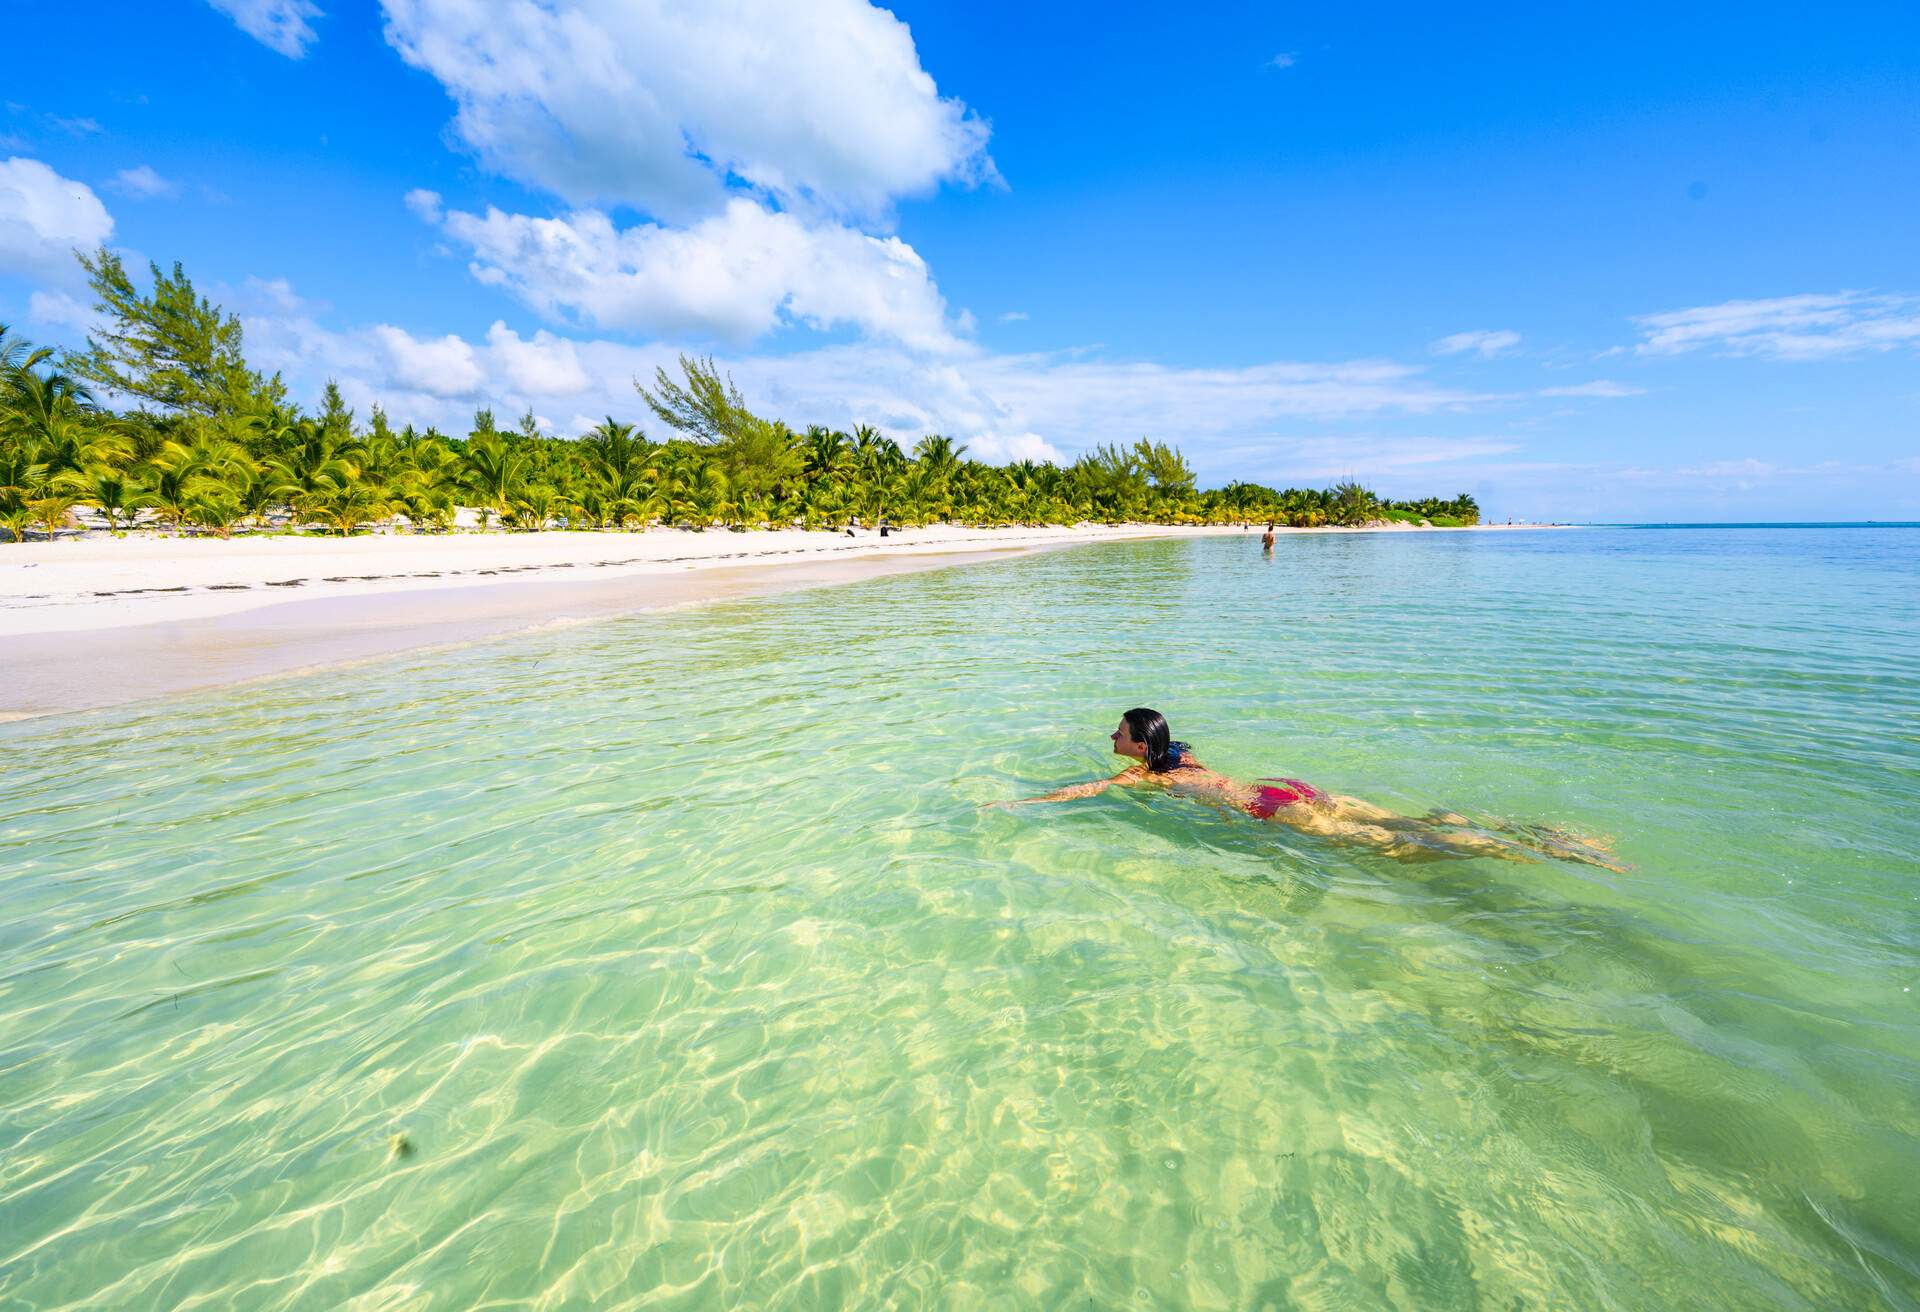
{"x":1150,"y":727}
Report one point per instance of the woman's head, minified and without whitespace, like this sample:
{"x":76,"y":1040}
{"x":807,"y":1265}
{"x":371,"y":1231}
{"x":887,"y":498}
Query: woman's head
{"x":1143,"y":735}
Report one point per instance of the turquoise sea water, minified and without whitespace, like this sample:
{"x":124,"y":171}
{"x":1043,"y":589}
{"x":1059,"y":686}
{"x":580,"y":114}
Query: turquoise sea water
{"x":684,"y":956}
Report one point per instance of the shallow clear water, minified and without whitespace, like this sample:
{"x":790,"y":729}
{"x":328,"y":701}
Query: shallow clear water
{"x":682,"y":952}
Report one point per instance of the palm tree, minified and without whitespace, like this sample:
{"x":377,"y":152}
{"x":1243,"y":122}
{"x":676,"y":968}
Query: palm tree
{"x":296,"y":474}
{"x":939,"y":457}
{"x":346,"y":497}
{"x":1350,"y":503}
{"x":621,"y":461}
{"x":424,"y":491}
{"x":52,"y":502}
{"x":495,"y":469}
{"x":708,"y":496}
{"x":216,"y":505}
{"x":197,"y":475}
{"x":113,"y":492}
{"x":18,"y":355}
{"x":52,"y":411}
{"x":538,"y":506}
{"x":826,"y":453}
{"x":20,"y":473}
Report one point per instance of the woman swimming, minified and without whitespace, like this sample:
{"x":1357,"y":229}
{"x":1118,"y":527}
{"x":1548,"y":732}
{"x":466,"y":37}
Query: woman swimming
{"x":1158,"y":760}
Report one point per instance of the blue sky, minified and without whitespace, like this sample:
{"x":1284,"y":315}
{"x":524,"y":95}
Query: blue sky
{"x":1629,"y":262}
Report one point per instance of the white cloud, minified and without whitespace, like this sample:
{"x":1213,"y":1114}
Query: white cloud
{"x":543,"y":366}
{"x":1014,"y":316}
{"x":1009,"y":448}
{"x":1285,"y":59}
{"x":1006,"y":407}
{"x":277,"y":293}
{"x":1810,"y":327}
{"x":664,"y":106}
{"x":425,"y":204}
{"x":144,"y":183}
{"x":44,"y":218}
{"x":736,"y":275}
{"x":1601,"y":387}
{"x":277,"y":24}
{"x":1364,"y":456}
{"x":1083,"y":400}
{"x":59,"y":310}
{"x":443,"y":366}
{"x":1482,"y":342}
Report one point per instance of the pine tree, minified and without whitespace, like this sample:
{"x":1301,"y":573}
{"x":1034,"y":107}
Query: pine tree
{"x":336,"y":420}
{"x":173,"y":349}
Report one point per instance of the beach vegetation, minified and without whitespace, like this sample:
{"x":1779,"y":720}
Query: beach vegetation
{"x":160,"y":422}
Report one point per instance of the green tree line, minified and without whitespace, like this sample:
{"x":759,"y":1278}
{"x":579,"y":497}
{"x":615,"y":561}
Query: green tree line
{"x":205,"y":442}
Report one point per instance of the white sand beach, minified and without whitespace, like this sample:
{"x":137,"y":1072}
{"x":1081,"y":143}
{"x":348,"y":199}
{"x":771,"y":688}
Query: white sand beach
{"x":196,"y":612}
{"x":99,"y":581}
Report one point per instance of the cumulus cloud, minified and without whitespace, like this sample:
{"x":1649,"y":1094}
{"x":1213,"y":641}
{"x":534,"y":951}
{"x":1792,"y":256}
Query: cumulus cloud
{"x":425,"y":204}
{"x":44,"y":218}
{"x":1482,"y":342}
{"x":665,"y":106}
{"x":736,"y":275}
{"x":60,"y":310}
{"x":276,"y":24}
{"x":1010,"y":448}
{"x":444,"y":366}
{"x":1810,"y":327}
{"x":277,"y":293}
{"x":144,"y":183}
{"x":544,"y":365}
{"x":1006,"y":407}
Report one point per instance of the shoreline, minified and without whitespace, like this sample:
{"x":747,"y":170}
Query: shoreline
{"x":103,"y":582}
{"x":191,"y":614}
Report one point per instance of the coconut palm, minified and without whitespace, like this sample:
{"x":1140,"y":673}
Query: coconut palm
{"x":198,"y":475}
{"x":424,"y":491}
{"x":296,"y":473}
{"x":495,"y":470}
{"x":115,"y":494}
{"x":620,"y":461}
{"x":827,"y":453}
{"x":347,"y":497}
{"x":538,"y":506}
{"x":216,"y":505}
{"x":52,"y":502}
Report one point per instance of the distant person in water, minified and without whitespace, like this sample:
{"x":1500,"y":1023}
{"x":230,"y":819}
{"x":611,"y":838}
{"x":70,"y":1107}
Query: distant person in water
{"x":1158,"y":760}
{"x":1266,"y":539}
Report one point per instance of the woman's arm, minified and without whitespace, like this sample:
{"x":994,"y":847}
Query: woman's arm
{"x":1088,"y":789}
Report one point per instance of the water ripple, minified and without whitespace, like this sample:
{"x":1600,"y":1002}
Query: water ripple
{"x":672,"y":962}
